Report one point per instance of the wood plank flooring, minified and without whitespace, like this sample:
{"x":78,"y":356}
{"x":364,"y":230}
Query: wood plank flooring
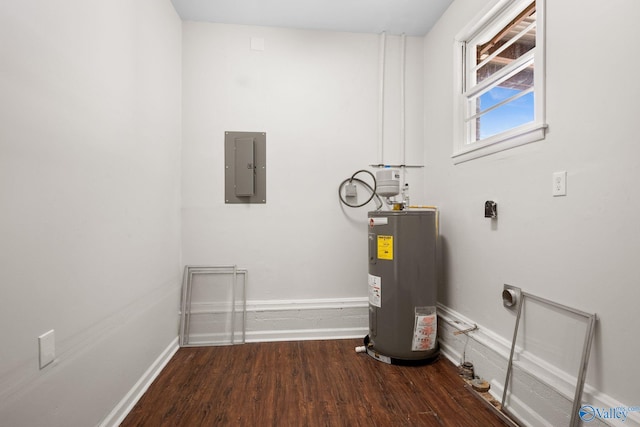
{"x":305,"y":383}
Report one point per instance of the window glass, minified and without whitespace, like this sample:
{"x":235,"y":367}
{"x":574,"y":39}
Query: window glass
{"x":509,"y":44}
{"x":506,"y":105}
{"x":507,"y":116}
{"x":501,"y":85}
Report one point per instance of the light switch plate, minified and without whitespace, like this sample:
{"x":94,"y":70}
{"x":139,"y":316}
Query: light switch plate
{"x":47,"y":348}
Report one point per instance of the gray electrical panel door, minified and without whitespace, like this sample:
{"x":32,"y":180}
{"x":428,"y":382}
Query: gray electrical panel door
{"x":244,"y":164}
{"x":245,"y":167}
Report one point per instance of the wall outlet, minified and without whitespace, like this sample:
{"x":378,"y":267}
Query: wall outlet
{"x":47,"y":348}
{"x":559,"y":184}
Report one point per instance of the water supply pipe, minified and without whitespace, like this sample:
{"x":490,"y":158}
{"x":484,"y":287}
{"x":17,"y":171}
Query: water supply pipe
{"x":382,"y":57}
{"x":403,"y":61}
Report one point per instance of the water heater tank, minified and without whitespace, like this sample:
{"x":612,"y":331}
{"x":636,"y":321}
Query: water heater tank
{"x":402,"y":286}
{"x":388,"y":182}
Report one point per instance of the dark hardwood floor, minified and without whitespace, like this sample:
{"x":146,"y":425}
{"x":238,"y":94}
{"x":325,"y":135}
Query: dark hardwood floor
{"x":305,"y":383}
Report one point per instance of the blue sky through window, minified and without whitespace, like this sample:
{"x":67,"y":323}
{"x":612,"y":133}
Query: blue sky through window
{"x":505,"y":117}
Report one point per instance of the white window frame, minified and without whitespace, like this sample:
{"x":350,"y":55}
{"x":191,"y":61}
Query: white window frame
{"x":491,"y":20}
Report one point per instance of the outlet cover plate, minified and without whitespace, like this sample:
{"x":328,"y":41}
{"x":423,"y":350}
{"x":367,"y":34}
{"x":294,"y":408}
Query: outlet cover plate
{"x":559,"y":184}
{"x":47,"y":348}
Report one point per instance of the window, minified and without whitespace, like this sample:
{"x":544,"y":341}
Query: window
{"x":500,"y":89}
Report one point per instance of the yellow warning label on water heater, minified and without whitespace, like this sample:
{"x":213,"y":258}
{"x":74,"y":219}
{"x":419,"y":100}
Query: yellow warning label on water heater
{"x":385,"y":247}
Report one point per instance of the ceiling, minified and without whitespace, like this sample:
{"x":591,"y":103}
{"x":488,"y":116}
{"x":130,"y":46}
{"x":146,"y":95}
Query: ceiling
{"x":411,"y":17}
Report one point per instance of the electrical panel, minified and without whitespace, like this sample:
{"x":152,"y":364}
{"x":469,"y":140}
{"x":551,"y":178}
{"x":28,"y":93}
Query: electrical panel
{"x":245,"y":167}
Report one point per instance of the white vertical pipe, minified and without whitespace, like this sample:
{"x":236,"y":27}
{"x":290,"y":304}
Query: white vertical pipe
{"x":403,"y":143}
{"x":383,"y":48}
{"x":403,"y":138}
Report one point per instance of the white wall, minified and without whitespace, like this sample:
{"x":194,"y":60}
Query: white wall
{"x":315,"y":94}
{"x":89,"y":189}
{"x":90,"y":170}
{"x":580,"y":250}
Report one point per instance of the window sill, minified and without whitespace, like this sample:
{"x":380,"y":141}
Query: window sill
{"x":517,"y":137}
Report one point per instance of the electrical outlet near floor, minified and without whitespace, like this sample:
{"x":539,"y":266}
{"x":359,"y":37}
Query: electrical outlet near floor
{"x":47,"y":348}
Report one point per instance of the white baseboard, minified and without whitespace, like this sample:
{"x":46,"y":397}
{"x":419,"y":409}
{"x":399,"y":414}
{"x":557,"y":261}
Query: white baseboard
{"x":288,"y":320}
{"x":122,"y":409}
{"x":542,"y":386}
{"x":280,"y":320}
